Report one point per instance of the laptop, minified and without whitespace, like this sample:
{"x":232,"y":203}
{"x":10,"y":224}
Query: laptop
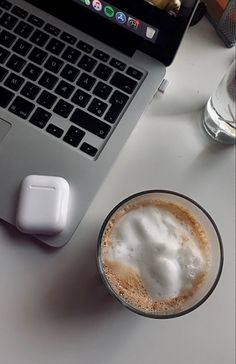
{"x":75,"y":77}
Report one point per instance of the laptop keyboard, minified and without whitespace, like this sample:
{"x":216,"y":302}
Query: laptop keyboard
{"x":45,"y":71}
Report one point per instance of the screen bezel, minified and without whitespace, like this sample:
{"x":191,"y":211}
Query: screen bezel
{"x":112,"y":34}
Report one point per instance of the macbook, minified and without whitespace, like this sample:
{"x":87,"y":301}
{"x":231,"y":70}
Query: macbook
{"x":75,"y":77}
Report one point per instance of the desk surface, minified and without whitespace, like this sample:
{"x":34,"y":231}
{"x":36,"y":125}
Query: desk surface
{"x":53,"y":306}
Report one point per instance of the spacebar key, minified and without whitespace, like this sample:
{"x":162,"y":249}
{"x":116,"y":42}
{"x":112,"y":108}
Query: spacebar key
{"x":90,"y":123}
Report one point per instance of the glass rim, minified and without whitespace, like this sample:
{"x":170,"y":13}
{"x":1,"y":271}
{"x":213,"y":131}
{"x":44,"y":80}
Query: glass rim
{"x":108,"y":284}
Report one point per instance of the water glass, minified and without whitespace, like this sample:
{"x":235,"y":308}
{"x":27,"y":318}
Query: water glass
{"x":219,"y":114}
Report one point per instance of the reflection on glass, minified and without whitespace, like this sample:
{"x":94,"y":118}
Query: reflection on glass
{"x":168,"y":5}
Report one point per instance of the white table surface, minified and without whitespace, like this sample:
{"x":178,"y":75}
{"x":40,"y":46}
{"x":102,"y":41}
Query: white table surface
{"x":54,"y":308}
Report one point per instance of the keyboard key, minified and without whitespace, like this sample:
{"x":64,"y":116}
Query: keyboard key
{"x":64,"y":89}
{"x":101,"y":55}
{"x":3,"y":73}
{"x":40,"y":117}
{"x":118,"y":101}
{"x":88,"y":149}
{"x":39,"y":38}
{"x":63,"y":108}
{"x":21,"y":47}
{"x":4,"y":54}
{"x":102,"y":71}
{"x":23,"y":29}
{"x":84,"y":46}
{"x":8,"y":21}
{"x":37,"y":55}
{"x":69,"y":73}
{"x":35,"y":21}
{"x":71,"y":54}
{"x":53,"y":64}
{"x":32,"y":72}
{"x":14,"y":82}
{"x":46,"y":99}
{"x":15,"y":63}
{"x":30,"y":90}
{"x":102,"y":90}
{"x":68,"y":38}
{"x":90,"y":123}
{"x":97,"y":107}
{"x":117,"y":64}
{"x":134,"y":73}
{"x":21,"y":107}
{"x":123,"y":82}
{"x":86,"y":81}
{"x":54,"y":130}
{"x":81,"y":98}
{"x":112,"y":114}
{"x":87,"y":63}
{"x":74,"y":136}
{"x":5,"y":4}
{"x":21,"y":13}
{"x":51,"y":29}
{"x":5,"y":96}
{"x":6,"y":38}
{"x":48,"y":80}
{"x":55,"y":46}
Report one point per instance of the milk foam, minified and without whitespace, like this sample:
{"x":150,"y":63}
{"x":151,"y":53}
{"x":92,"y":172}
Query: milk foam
{"x":162,"y":250}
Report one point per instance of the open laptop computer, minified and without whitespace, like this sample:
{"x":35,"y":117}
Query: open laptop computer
{"x":75,"y":77}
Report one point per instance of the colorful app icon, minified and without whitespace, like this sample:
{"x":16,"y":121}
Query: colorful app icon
{"x":150,"y":32}
{"x":120,"y":17}
{"x":109,"y":11}
{"x":97,"y":5}
{"x":86,"y":2}
{"x":132,"y":23}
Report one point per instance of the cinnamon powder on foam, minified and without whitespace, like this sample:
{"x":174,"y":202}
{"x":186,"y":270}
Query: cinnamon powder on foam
{"x":126,"y":281}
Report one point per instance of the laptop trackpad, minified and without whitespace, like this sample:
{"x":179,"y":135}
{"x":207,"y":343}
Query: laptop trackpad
{"x":4,"y":129}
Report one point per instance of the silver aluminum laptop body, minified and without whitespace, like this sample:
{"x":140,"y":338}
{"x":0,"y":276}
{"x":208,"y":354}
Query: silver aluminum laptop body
{"x":26,"y":150}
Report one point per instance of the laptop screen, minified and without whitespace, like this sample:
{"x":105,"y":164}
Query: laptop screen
{"x":121,"y":18}
{"x":155,"y":27}
{"x":163,"y":15}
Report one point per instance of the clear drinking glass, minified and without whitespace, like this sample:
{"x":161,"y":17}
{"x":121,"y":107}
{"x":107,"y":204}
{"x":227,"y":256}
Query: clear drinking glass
{"x":219,"y":115}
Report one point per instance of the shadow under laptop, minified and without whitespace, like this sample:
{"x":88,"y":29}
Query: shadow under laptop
{"x":20,"y":240}
{"x":175,"y":105}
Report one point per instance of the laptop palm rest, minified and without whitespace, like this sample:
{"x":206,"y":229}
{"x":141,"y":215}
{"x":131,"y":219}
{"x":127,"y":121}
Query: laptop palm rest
{"x":4,"y":129}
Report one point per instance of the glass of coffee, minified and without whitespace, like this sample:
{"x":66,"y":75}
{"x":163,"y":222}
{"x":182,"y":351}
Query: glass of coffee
{"x":160,"y":254}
